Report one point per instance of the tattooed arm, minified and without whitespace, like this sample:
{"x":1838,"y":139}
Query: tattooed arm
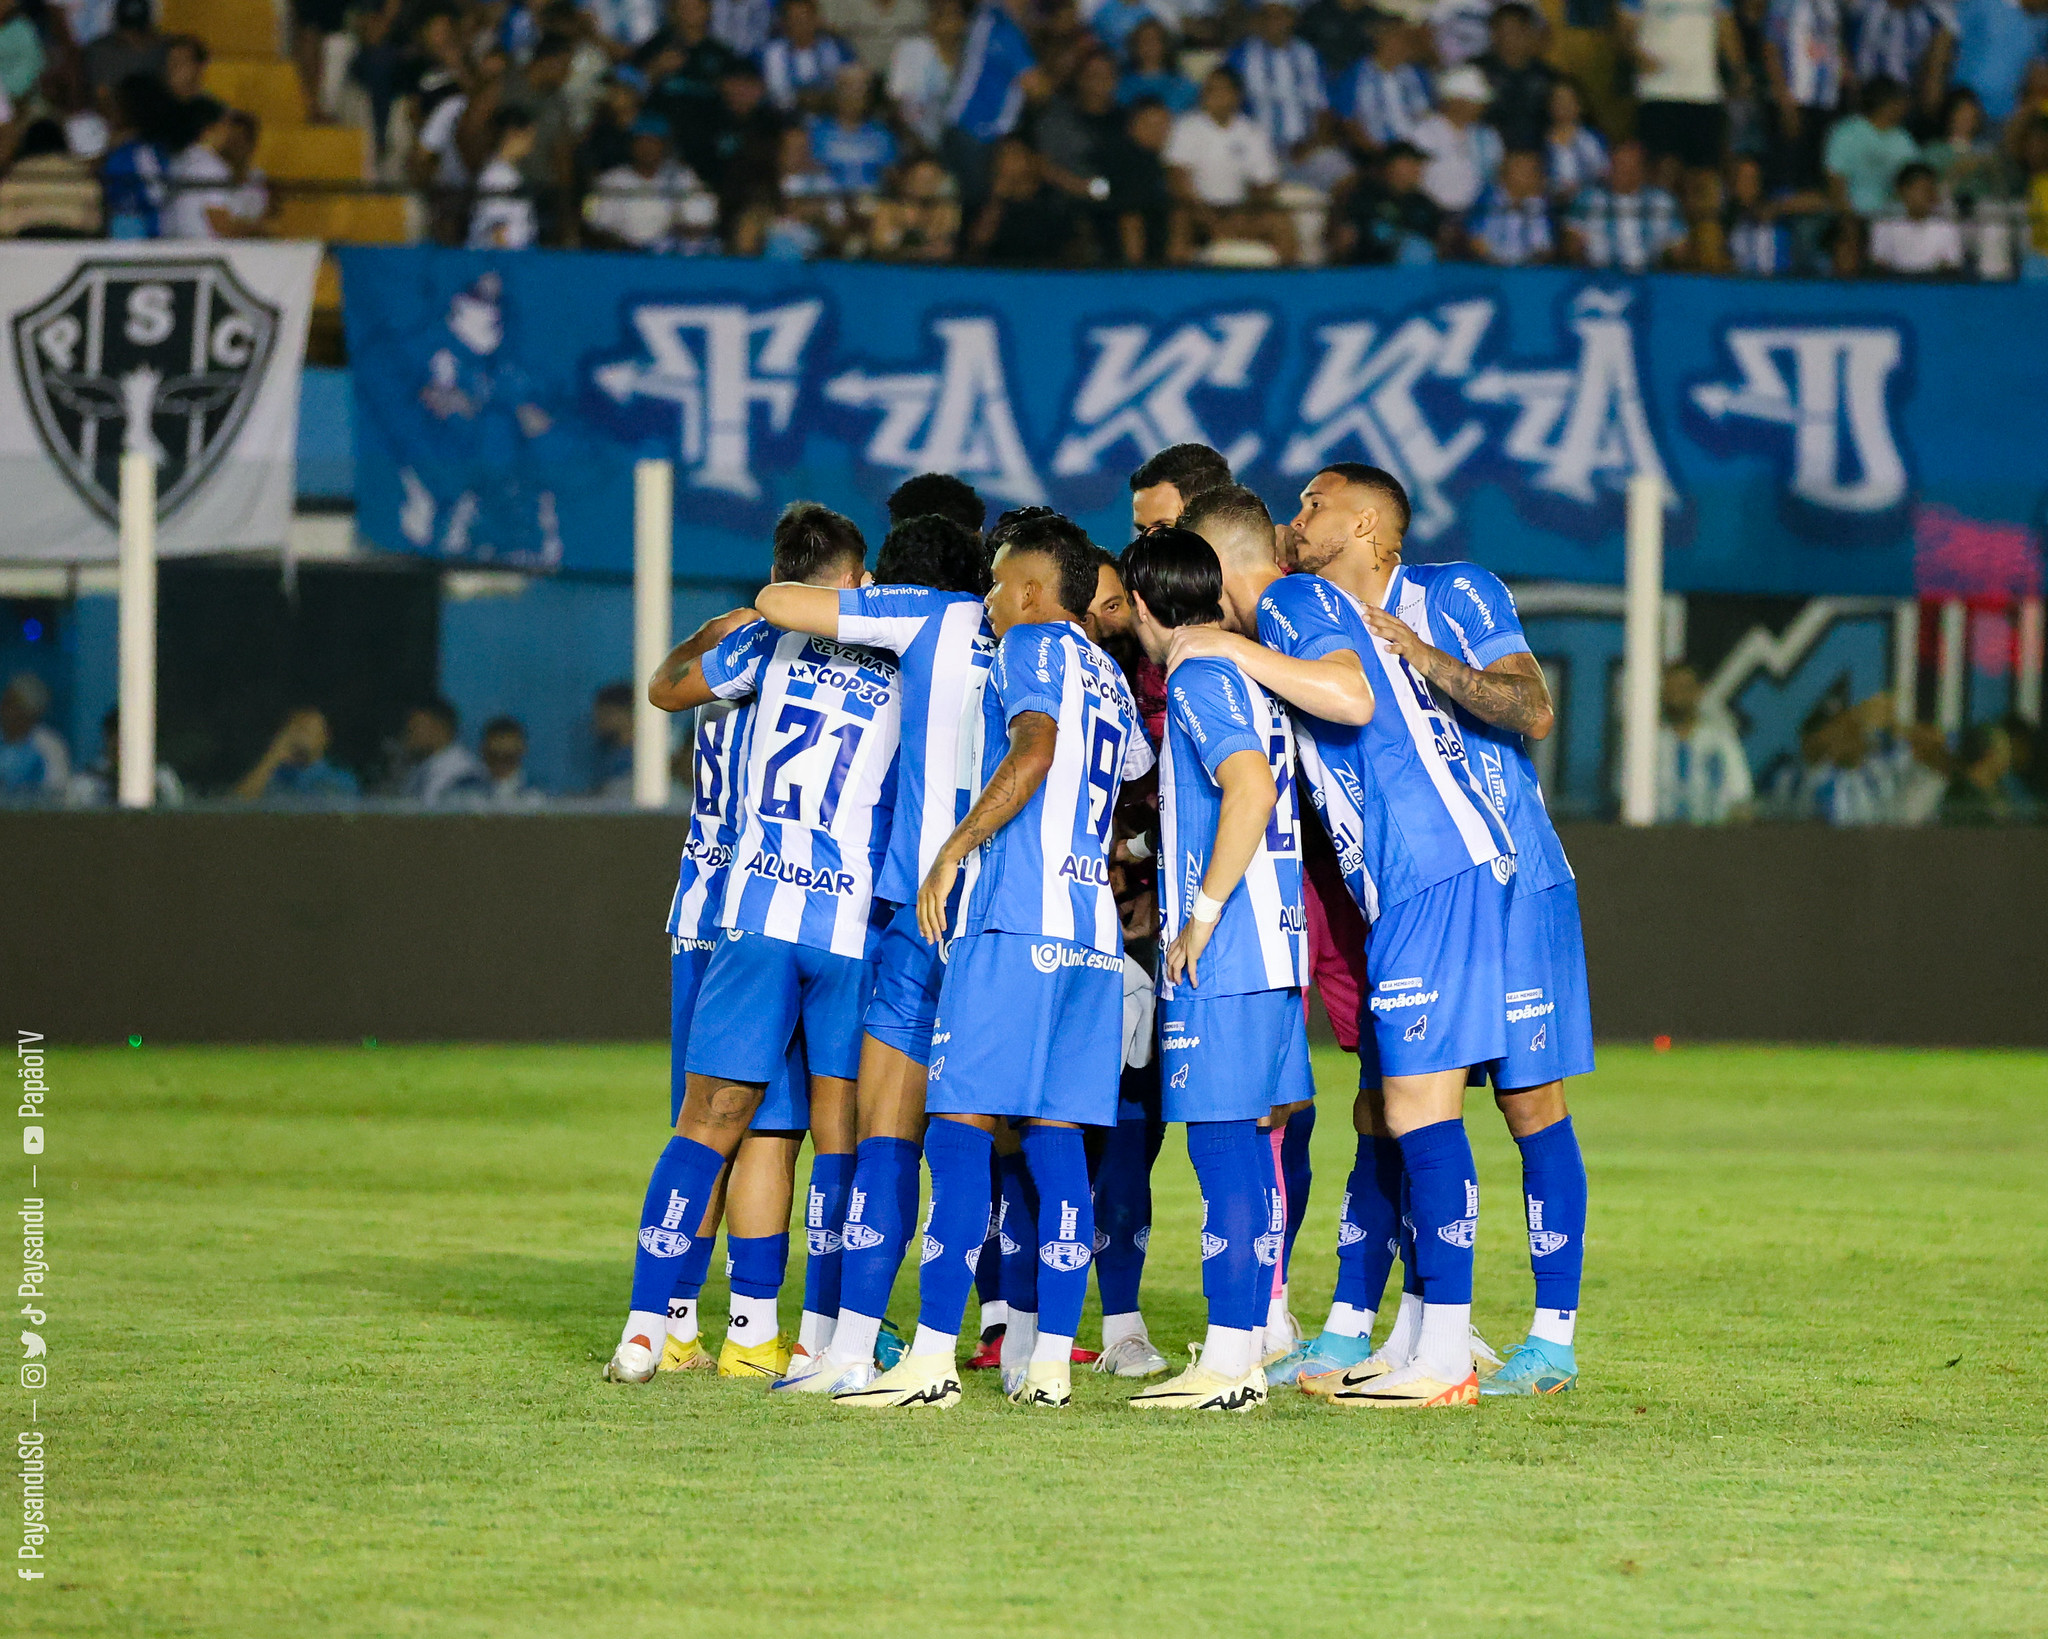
{"x":1020,"y":774}
{"x":678,"y":682}
{"x":1510,"y":693}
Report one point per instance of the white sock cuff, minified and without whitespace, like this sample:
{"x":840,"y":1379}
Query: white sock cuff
{"x":853,"y":1339}
{"x":1554,"y":1326}
{"x":995,"y":1314}
{"x":1445,"y":1345}
{"x":1115,"y":1328}
{"x":644,"y":1323}
{"x":929,"y":1341}
{"x":1052,"y":1349}
{"x":1346,"y":1321}
{"x":1227,"y":1351}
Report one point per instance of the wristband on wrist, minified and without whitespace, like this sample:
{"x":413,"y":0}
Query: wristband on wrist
{"x":1139,"y":846}
{"x":1206,"y":909}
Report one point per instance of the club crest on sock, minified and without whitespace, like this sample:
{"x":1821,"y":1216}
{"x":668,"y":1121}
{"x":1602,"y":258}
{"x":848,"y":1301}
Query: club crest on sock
{"x":1543,"y":1242}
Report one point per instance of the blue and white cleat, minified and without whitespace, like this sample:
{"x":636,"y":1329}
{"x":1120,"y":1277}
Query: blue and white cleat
{"x":1326,"y":1352}
{"x":890,"y":1346}
{"x":1534,"y":1367}
{"x":821,"y":1374}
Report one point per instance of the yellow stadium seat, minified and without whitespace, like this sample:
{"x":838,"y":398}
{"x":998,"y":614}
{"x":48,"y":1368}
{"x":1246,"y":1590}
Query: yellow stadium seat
{"x":352,"y":219}
{"x":327,"y":286}
{"x":314,"y":153}
{"x":269,"y":90}
{"x":230,"y":28}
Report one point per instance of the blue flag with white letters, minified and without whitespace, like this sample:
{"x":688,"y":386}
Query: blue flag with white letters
{"x":1814,"y":437}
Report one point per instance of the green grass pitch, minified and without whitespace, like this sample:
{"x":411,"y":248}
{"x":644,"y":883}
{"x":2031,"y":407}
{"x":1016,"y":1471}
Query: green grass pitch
{"x":327,"y":1327}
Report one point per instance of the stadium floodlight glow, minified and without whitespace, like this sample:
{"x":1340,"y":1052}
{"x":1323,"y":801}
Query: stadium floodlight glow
{"x":137,"y":642}
{"x":1642,"y":648}
{"x":653,"y":602}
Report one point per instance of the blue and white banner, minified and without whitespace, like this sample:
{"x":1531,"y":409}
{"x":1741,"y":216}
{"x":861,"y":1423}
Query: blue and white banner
{"x":1865,"y":438}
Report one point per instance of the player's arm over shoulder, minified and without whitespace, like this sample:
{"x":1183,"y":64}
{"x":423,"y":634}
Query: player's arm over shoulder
{"x":1308,"y":652}
{"x":686,"y":679}
{"x":1502,"y":684}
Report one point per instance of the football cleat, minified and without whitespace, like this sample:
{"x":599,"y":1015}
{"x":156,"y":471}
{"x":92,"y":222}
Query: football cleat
{"x":918,"y":1382}
{"x":769,"y":1360}
{"x":890,"y":1346}
{"x":1327,"y":1352}
{"x":1325,"y":1384}
{"x":1013,"y":1378}
{"x":633,"y":1362}
{"x":1133,"y":1356}
{"x":1047,"y":1383}
{"x":1200,"y":1389}
{"x":1412,"y":1388}
{"x":1535,"y":1367}
{"x":821,"y":1374}
{"x":678,"y":1356}
{"x":1484,"y":1360}
{"x":989,"y":1356}
{"x":1079,"y":1356}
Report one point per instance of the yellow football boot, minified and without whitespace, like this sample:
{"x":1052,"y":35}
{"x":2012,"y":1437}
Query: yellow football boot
{"x":686,"y":1357}
{"x":769,"y":1360}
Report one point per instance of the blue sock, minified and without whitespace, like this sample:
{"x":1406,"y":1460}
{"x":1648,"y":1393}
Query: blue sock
{"x":1295,"y":1167}
{"x":694,"y":1266}
{"x":1369,"y":1233}
{"x":824,"y":1212}
{"x":758,"y":1264}
{"x":876,"y":1227}
{"x":681,"y":1183}
{"x":1231,"y":1159}
{"x":1443,"y":1194}
{"x":1058,"y":1159}
{"x":1017,"y":1236}
{"x":958,"y":1156}
{"x":1554,"y":1190}
{"x":1123,"y":1215}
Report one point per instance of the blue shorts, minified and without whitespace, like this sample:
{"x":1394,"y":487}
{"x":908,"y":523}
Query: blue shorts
{"x":1549,"y":1007}
{"x":1028,"y":1028}
{"x":786,"y":1106}
{"x":907,"y":970}
{"x":1231,"y":1058}
{"x":756,"y":992}
{"x":1434,"y":967}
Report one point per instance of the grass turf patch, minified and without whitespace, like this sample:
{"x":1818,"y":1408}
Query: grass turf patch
{"x":326,"y":1330}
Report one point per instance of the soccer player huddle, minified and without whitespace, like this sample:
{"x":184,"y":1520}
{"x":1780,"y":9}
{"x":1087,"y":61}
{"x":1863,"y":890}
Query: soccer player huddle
{"x":915,"y":922}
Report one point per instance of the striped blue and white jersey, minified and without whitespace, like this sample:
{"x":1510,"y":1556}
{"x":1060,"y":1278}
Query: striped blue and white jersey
{"x":1398,"y":797}
{"x":717,"y":739}
{"x":1894,"y":40}
{"x":1388,"y":104}
{"x":1808,"y":35}
{"x":1046,"y":873}
{"x":820,"y":780}
{"x":1214,"y":711}
{"x":945,"y":648}
{"x":1283,"y":88}
{"x":1466,"y":611}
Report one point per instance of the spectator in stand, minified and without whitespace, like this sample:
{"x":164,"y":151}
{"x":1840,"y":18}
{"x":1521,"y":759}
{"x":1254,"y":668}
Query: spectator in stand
{"x":1151,"y":227}
{"x":919,"y":219}
{"x":744,"y":141}
{"x":875,"y":28}
{"x":1075,"y":134}
{"x":808,"y":217}
{"x":1911,"y":41}
{"x":1995,"y":41}
{"x":1340,"y":32}
{"x":1759,"y":244}
{"x":1845,"y":242}
{"x":1024,"y":219}
{"x":22,"y":57}
{"x":802,"y":61}
{"x":684,"y":66}
{"x":1521,"y":81}
{"x":1226,"y":170}
{"x":988,"y":94}
{"x":1681,"y":50}
{"x":652,"y":202}
{"x":611,"y":724}
{"x":1464,"y":152}
{"x":1977,"y":793}
{"x":855,"y":148}
{"x":1702,"y":771}
{"x":1807,"y":69}
{"x":626,"y":24}
{"x":1573,"y":157}
{"x":1963,"y":155}
{"x":504,"y":761}
{"x":1627,"y":223}
{"x":100,"y":785}
{"x":48,"y":192}
{"x":133,"y":47}
{"x":1152,"y":69}
{"x":1461,"y":29}
{"x":184,"y":76}
{"x":503,"y":216}
{"x":1921,"y":243}
{"x":135,"y":173}
{"x":314,"y":23}
{"x":1865,"y":150}
{"x":922,"y":67}
{"x":208,"y":200}
{"x":743,"y":24}
{"x":1282,"y":79}
{"x":1113,"y":20}
{"x":437,"y":768}
{"x":1511,"y":225}
{"x":295,"y":767}
{"x":1389,"y":94}
{"x":607,"y":141}
{"x":33,"y":758}
{"x":1704,"y":248}
{"x":1388,"y":219}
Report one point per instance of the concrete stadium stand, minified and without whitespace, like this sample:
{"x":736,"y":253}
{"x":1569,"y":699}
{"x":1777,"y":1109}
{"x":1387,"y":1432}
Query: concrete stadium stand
{"x":331,"y":927}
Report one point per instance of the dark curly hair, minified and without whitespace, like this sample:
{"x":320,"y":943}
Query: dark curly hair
{"x":1040,"y":529}
{"x":940,"y":493}
{"x":933,"y":551}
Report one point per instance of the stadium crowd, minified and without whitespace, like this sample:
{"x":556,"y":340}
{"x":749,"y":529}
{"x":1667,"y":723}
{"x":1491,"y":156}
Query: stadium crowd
{"x":1906,"y":137}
